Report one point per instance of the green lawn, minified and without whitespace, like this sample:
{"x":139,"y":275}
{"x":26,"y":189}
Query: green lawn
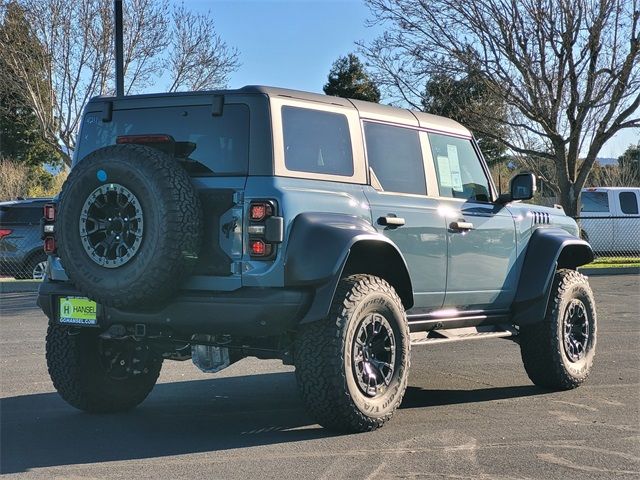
{"x":11,"y":279}
{"x":607,"y":262}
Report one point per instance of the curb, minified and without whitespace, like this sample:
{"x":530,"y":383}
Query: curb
{"x":610,"y":271}
{"x":19,"y":287}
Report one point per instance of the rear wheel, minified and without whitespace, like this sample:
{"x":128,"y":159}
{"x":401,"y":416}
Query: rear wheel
{"x":100,"y":376}
{"x":558,"y":352}
{"x":352,"y":367}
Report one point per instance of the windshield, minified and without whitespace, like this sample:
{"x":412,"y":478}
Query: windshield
{"x":220,"y":143}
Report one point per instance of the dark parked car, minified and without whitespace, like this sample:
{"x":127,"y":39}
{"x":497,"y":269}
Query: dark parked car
{"x":21,"y":253}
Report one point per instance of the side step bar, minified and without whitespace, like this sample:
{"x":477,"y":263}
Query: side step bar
{"x":460,"y":334}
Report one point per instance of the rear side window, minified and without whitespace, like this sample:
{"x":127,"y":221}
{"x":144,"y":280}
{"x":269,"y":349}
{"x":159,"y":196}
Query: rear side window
{"x":220,"y":143}
{"x":629,"y":203}
{"x":594,"y":202}
{"x":395,"y":157}
{"x":458,"y":168}
{"x":20,"y":215}
{"x":316,"y":141}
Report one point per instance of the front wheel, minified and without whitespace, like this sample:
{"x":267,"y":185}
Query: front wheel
{"x":100,"y":376}
{"x":558,"y":352}
{"x":352,"y":368}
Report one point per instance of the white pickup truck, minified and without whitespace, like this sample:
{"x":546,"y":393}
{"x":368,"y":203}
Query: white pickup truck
{"x":610,"y":220}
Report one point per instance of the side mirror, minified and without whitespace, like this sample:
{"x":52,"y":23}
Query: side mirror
{"x":522,"y":187}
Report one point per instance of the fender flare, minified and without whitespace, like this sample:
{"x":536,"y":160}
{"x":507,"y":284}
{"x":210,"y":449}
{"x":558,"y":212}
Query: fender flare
{"x":318,"y":251}
{"x":548,"y":250}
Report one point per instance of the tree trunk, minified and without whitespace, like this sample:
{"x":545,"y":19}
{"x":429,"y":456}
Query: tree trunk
{"x":569,"y":198}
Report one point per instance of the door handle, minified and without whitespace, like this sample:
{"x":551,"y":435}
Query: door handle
{"x":391,"y":221}
{"x":461,"y":226}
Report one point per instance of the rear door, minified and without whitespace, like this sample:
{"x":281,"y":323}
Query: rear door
{"x":626,"y":225}
{"x":403,"y":210}
{"x":596,"y":222}
{"x":480,"y":234}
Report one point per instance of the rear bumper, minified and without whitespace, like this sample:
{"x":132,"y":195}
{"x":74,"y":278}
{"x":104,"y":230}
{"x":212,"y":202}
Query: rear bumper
{"x":252,"y":312}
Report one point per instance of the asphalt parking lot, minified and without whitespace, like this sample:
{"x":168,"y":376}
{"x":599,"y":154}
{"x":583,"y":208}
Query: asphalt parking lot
{"x":469,"y":412}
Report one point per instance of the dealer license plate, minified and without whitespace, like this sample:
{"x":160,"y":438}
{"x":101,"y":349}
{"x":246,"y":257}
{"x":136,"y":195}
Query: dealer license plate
{"x":77,"y":311}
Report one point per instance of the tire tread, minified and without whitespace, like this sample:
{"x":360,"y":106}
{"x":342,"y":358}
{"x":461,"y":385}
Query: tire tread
{"x":540,"y":345}
{"x":320,"y":358}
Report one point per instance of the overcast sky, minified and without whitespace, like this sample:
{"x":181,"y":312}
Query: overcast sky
{"x":292,"y":43}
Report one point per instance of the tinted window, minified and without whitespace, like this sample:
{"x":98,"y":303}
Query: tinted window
{"x":316,"y":141}
{"x":458,"y":168}
{"x":594,"y":202}
{"x":221,"y":143}
{"x":629,"y":203}
{"x":395,"y":157}
{"x":20,"y":215}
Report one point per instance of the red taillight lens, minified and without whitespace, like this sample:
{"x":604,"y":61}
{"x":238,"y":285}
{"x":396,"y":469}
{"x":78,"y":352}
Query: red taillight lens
{"x":5,"y":232}
{"x":49,"y":245}
{"x":259,"y":248}
{"x":259,"y":211}
{"x":50,"y":212}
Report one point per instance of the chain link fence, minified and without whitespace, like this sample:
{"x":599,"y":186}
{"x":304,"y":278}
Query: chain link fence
{"x":21,"y":251}
{"x":613,"y":239}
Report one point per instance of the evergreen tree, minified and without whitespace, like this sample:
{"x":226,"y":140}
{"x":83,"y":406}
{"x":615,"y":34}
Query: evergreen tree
{"x":21,"y":135}
{"x":468,"y":100}
{"x":629,"y":162}
{"x":348,"y":79}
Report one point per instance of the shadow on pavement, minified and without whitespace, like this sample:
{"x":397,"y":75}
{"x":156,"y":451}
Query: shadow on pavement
{"x":41,"y":430}
{"x":416,"y":397}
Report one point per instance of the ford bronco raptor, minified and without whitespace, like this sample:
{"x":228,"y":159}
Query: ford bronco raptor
{"x":333,"y":234}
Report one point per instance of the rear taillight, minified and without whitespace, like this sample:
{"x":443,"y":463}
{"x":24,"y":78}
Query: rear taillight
{"x":50,"y":212}
{"x":265,"y":229}
{"x":259,"y":248}
{"x":49,"y":228}
{"x":260,"y":210}
{"x":49,"y":245}
{"x":5,"y":232}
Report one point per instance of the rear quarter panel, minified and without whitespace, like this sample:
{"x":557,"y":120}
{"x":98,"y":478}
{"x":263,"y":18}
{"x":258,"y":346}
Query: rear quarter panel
{"x":295,"y":196}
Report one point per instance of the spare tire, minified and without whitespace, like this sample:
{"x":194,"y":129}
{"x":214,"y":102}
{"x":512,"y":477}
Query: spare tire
{"x":128,"y":225}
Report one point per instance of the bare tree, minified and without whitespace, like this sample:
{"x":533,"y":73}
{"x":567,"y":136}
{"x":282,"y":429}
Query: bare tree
{"x":161,"y":43}
{"x":199,"y":58}
{"x":618,"y":175}
{"x":14,"y":179}
{"x":568,"y":69}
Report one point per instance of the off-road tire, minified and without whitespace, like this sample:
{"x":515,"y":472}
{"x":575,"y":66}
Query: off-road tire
{"x":542,"y":346}
{"x":323,"y":352}
{"x":172,"y":226}
{"x":81,"y":380}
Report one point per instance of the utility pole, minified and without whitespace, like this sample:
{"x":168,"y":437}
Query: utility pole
{"x":117,"y":8}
